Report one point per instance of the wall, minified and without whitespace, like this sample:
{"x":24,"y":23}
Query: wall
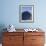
{"x":9,"y":13}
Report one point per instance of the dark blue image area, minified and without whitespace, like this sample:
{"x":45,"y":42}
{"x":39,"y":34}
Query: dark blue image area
{"x":26,"y":15}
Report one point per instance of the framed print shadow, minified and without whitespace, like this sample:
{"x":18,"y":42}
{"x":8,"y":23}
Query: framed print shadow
{"x":26,"y":13}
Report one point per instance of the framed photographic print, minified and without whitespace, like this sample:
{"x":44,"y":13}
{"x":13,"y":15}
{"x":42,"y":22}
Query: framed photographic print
{"x":26,"y":13}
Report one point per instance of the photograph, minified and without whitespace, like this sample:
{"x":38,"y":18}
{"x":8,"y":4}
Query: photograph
{"x":26,"y":13}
